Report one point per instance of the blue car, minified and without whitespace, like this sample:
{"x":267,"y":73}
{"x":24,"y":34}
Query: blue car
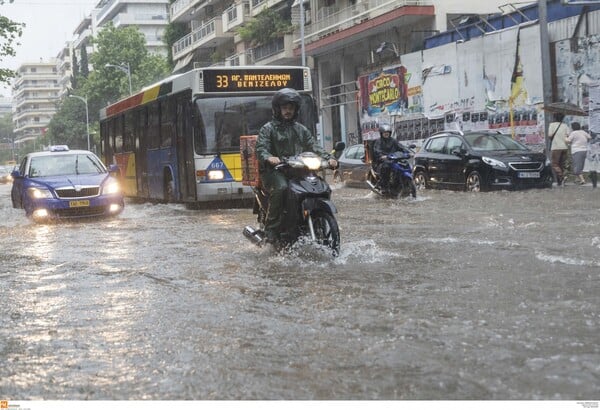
{"x":62,"y":183}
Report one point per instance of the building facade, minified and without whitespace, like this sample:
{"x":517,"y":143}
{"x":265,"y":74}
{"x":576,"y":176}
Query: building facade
{"x":340,"y":39}
{"x":36,"y":92}
{"x":150,"y":16}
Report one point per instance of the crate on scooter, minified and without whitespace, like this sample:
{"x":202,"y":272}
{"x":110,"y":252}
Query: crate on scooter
{"x":250,"y":174}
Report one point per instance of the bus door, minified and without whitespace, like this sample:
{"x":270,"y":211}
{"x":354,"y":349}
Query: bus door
{"x":141,"y":148}
{"x":185,"y":148}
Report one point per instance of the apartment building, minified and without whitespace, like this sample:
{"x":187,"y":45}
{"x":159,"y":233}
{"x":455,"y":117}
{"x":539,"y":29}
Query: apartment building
{"x":36,"y":91}
{"x":150,"y":16}
{"x":82,"y":39}
{"x":341,"y":39}
{"x":64,"y":69}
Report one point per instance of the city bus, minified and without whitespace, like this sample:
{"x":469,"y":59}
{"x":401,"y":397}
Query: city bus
{"x":179,"y":139}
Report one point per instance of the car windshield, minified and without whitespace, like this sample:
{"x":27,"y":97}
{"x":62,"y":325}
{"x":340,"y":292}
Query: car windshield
{"x":70,"y":164}
{"x":493,"y":142}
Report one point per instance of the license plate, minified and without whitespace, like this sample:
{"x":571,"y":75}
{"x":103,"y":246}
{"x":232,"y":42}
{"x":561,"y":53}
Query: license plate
{"x":79,"y":204}
{"x":529,"y":174}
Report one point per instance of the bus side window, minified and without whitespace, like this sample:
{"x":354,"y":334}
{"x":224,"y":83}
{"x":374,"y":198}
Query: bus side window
{"x":119,"y":135}
{"x":153,"y":123}
{"x":166,"y":123}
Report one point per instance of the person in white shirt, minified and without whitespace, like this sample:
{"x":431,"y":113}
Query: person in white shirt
{"x":578,"y":140}
{"x":557,"y":132}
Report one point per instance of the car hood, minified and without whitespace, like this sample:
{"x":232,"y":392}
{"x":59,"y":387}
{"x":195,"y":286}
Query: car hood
{"x":513,"y":155}
{"x":72,"y":180}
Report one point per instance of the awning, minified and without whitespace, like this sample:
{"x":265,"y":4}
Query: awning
{"x":183,"y":62}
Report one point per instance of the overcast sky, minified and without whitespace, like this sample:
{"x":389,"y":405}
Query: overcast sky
{"x":50,"y":24}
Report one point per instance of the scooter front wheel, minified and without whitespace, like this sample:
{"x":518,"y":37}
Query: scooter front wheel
{"x":327,"y":232}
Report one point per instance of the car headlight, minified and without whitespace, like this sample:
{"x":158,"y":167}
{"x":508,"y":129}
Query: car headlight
{"x":112,"y":188}
{"x":493,"y":162}
{"x":39,"y":193}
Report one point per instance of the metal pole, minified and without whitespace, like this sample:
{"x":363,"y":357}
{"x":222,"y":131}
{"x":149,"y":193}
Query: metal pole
{"x":129,"y":77}
{"x":302,"y":33}
{"x":87,"y":117}
{"x":546,"y":69}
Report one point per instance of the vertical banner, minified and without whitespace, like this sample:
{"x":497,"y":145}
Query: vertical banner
{"x":414,"y":67}
{"x":499,"y":60}
{"x":440,"y":82}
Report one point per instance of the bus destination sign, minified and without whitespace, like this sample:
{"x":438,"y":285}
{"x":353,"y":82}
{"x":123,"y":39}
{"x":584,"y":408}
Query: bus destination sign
{"x":270,"y":79}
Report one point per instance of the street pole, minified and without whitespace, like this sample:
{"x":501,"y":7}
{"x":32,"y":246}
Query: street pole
{"x":127,"y":70}
{"x":87,"y":117}
{"x":302,"y":33}
{"x":546,"y":69}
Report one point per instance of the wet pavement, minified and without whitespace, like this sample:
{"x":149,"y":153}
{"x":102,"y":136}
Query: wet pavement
{"x":454,"y":295}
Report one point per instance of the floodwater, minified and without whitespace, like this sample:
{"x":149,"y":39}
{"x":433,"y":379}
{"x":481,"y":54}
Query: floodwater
{"x":454,"y":295}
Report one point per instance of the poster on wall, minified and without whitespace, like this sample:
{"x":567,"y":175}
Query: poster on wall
{"x":414,"y":68}
{"x":440,"y":82}
{"x":383,"y":94}
{"x":500,"y":54}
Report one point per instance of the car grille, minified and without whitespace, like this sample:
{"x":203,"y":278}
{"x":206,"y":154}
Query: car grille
{"x":526,"y":166}
{"x":80,"y":212}
{"x":70,"y":192}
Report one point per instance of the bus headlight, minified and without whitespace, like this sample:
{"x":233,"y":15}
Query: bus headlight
{"x":215,"y":175}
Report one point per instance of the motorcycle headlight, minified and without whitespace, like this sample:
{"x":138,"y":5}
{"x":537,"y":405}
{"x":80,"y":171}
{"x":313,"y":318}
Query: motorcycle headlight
{"x":39,"y":193}
{"x":312,"y":163}
{"x":493,"y":162}
{"x":112,"y":188}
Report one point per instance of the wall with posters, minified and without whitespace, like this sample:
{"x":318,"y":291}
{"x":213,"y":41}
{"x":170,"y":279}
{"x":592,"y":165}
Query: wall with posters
{"x":490,"y":82}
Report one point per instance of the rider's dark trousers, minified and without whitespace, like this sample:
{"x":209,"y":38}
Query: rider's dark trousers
{"x":276,"y":183}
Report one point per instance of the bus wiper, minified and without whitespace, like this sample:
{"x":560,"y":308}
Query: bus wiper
{"x":220,"y":132}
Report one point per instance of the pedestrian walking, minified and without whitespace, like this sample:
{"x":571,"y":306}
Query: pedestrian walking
{"x":578,"y":141}
{"x":558,"y":131}
{"x":592,"y":159}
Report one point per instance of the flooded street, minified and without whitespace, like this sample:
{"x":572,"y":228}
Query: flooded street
{"x":455,"y":295}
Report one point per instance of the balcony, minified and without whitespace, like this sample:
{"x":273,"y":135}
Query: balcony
{"x":278,"y":51}
{"x":208,"y":35}
{"x":236,"y":15}
{"x":257,"y":6}
{"x":331,"y":20}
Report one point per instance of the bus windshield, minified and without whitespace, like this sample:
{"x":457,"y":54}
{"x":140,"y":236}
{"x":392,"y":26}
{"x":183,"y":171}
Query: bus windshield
{"x":221,"y":121}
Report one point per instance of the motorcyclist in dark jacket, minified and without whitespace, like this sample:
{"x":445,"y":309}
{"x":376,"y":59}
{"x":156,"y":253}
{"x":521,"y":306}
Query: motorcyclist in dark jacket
{"x":282,"y":137}
{"x":383,"y":146}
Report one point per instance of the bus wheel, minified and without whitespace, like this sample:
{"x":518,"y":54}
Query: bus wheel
{"x":169,"y":189}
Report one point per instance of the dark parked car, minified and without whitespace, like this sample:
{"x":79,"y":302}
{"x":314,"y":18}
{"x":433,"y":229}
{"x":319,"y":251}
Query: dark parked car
{"x":63,"y":183}
{"x":479,"y":161}
{"x":352,"y":170}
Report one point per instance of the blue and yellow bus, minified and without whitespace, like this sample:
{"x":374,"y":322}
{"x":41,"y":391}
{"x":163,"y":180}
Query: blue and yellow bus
{"x":179,"y":140}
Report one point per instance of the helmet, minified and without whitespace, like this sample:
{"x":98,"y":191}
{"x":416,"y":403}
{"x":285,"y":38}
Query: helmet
{"x":385,"y":128}
{"x":282,"y":97}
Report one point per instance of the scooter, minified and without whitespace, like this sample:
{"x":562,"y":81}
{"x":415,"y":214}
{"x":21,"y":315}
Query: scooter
{"x":401,"y":181}
{"x":308,"y":211}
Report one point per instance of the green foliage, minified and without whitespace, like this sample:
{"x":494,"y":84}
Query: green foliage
{"x":10,"y":32}
{"x":172,"y":33}
{"x":268,"y":25}
{"x":105,"y":85}
{"x":68,"y":125}
{"x":84,"y":66}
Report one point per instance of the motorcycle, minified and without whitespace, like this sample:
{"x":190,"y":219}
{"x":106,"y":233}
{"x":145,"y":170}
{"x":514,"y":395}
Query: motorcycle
{"x":308,"y":211}
{"x":401,"y":181}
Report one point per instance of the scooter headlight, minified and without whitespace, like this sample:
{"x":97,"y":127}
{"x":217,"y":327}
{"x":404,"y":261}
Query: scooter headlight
{"x":311,"y":162}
